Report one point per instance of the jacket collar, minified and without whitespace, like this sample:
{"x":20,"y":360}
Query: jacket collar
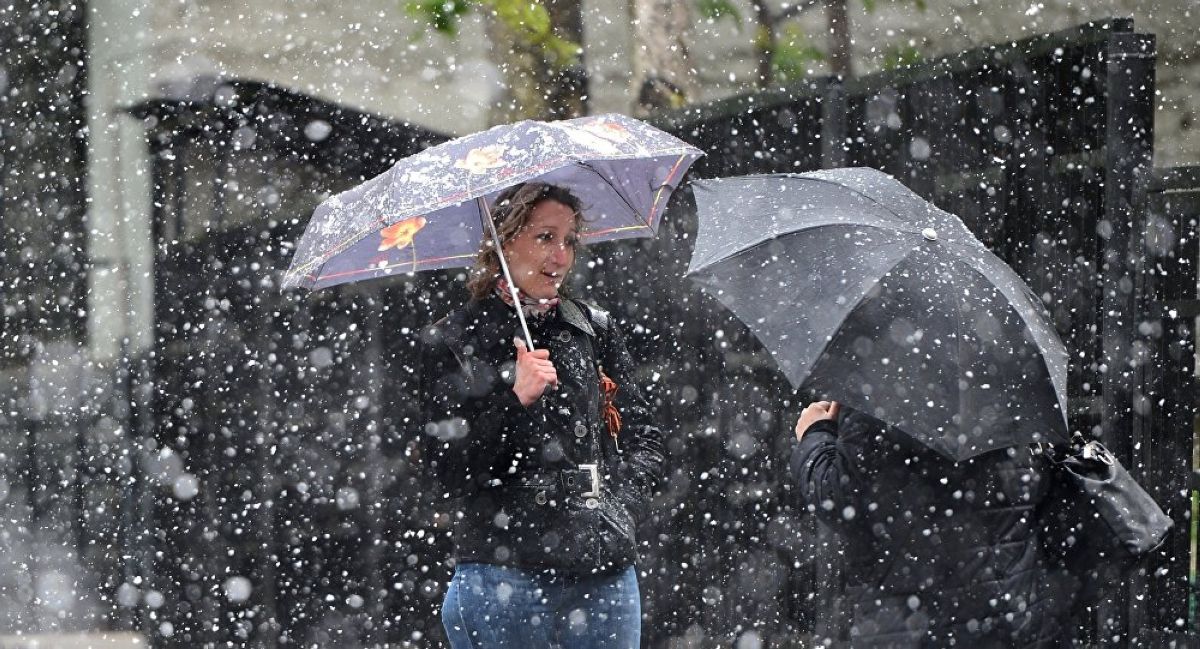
{"x":573,"y":315}
{"x":492,"y":309}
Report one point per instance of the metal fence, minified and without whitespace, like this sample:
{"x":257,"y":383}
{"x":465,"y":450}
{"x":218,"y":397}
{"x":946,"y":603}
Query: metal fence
{"x":286,"y":510}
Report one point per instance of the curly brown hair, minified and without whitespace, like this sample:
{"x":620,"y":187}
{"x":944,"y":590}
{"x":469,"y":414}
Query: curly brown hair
{"x":510,"y":213}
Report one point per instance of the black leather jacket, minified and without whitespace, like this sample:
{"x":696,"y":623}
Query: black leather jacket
{"x":938,"y":553}
{"x":521,"y":474}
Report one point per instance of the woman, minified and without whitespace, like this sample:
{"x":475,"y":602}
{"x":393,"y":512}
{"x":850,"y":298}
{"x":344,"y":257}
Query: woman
{"x":552,"y":471}
{"x":939,"y":554}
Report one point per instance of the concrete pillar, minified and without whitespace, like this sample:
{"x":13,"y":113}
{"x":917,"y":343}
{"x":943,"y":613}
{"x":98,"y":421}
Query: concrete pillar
{"x":120,"y":233}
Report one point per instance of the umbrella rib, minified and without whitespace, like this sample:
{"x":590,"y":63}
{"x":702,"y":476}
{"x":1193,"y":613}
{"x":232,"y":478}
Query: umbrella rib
{"x":853,"y":307}
{"x":616,"y":191}
{"x":1025,"y":320}
{"x":856,"y":191}
{"x":658,"y":193}
{"x":777,"y":235}
{"x":869,"y":197}
{"x":958,"y":324}
{"x":414,"y":264}
{"x":896,"y":214}
{"x":966,"y":263}
{"x":835,"y":184}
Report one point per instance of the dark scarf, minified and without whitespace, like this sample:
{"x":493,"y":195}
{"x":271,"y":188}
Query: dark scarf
{"x":533,"y":307}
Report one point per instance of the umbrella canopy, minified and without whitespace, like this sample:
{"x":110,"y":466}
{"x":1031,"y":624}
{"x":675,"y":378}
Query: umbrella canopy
{"x":865,"y":293}
{"x":427,"y":212}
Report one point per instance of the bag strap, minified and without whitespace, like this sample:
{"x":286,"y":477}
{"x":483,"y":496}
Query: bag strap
{"x":1078,"y":446}
{"x":601,"y":323}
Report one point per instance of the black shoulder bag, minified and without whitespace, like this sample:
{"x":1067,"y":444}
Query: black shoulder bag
{"x":1096,"y":517}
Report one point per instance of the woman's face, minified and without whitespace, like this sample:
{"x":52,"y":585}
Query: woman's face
{"x":540,"y":254}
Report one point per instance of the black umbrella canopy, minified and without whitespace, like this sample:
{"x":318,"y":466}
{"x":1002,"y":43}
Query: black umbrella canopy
{"x":866,"y":293}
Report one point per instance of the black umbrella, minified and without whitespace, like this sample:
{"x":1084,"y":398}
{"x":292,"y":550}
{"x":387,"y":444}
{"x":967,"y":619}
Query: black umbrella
{"x":866,"y":293}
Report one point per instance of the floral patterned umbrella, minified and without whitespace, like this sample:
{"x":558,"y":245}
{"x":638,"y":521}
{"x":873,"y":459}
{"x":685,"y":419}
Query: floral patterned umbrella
{"x":426,"y":212}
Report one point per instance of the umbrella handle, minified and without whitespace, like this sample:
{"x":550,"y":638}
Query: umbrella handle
{"x":512,"y":286}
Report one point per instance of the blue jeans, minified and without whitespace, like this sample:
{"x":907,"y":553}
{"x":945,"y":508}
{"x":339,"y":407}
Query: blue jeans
{"x":500,"y":607}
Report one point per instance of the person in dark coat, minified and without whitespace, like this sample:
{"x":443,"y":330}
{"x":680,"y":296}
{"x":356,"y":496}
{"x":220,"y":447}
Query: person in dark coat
{"x":551,"y":455}
{"x":938,"y":553}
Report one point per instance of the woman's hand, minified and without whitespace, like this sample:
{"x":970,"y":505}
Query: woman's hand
{"x":535,"y":373}
{"x":816,"y":411}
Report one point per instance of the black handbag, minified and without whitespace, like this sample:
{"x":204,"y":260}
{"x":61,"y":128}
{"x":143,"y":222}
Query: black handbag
{"x":1096,"y":517}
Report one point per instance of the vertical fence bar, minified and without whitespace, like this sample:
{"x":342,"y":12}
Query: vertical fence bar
{"x":833,"y":125}
{"x":1128,"y":159}
{"x":1167,"y":391}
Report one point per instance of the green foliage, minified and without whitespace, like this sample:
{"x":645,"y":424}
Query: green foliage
{"x":442,"y":15}
{"x":531,"y":22}
{"x":898,"y":56}
{"x":794,"y":54}
{"x":718,"y":9}
{"x":560,"y":51}
{"x":528,"y":20}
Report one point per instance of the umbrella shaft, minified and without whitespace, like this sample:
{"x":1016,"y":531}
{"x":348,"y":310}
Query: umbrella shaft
{"x":512,"y":286}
